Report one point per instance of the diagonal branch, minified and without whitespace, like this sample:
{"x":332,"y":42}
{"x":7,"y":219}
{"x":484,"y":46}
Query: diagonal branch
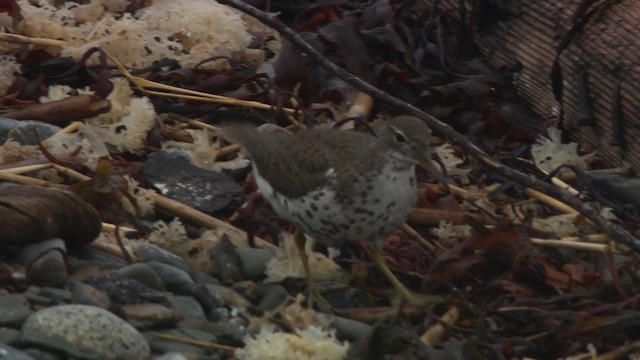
{"x":616,"y":231}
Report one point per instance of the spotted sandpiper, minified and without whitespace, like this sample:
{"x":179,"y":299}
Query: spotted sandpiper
{"x":341,"y":186}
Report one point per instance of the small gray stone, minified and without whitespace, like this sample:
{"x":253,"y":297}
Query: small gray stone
{"x":247,"y":288}
{"x":9,"y":352}
{"x":84,"y":294}
{"x":148,"y":316}
{"x":33,"y":295}
{"x":14,"y":310}
{"x":23,"y":131}
{"x":219,"y":315}
{"x":59,"y":296}
{"x":253,"y":262}
{"x":39,"y":354}
{"x":187,"y":307}
{"x":273,"y":298}
{"x":177,"y":280}
{"x":144,"y":274}
{"x":8,"y":336}
{"x":213,"y":296}
{"x":201,"y":278}
{"x":348,"y":329}
{"x":86,"y":332}
{"x":148,"y":252}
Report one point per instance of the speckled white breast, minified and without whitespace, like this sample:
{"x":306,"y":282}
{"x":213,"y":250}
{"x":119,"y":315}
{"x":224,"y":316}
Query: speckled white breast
{"x":380,"y":206}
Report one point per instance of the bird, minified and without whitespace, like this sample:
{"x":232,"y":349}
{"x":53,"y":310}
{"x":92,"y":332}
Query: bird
{"x":341,"y":186}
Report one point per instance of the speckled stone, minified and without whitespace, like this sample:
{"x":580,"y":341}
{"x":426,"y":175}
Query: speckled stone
{"x":86,"y":332}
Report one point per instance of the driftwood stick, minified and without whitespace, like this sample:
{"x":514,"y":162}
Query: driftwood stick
{"x":616,"y":231}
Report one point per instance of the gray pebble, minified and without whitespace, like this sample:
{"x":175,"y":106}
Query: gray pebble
{"x":88,"y":295}
{"x":219,"y":315}
{"x":213,"y":296}
{"x":253,"y":262}
{"x":187,"y":307}
{"x":8,"y":336}
{"x":148,"y":252}
{"x":144,"y":274}
{"x":41,"y":354}
{"x":9,"y":352}
{"x":14,"y":310}
{"x":348,"y":329}
{"x":201,"y":278}
{"x":86,"y":332}
{"x":23,"y":131}
{"x":273,"y":298}
{"x":177,"y":280}
{"x":148,"y":316}
{"x":59,"y":296}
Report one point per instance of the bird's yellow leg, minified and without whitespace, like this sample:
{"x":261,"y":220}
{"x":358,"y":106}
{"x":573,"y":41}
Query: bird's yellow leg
{"x":402,"y":294}
{"x":314,"y":293}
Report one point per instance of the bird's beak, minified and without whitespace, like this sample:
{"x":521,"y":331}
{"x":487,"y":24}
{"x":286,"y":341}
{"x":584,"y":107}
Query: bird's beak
{"x":427,"y":163}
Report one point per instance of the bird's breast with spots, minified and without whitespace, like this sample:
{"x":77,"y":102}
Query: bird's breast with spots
{"x":378,"y":205}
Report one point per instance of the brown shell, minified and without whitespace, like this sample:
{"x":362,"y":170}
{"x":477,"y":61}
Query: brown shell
{"x":31,"y":214}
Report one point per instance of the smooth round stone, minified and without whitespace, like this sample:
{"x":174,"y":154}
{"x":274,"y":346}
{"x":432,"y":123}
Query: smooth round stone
{"x":148,"y":316}
{"x":8,"y":336}
{"x":177,"y":280}
{"x":14,"y":310}
{"x":84,"y":294}
{"x":201,"y":278}
{"x":39,"y":354}
{"x":274,"y":297}
{"x":144,"y":274}
{"x":148,"y":253}
{"x":213,"y":296}
{"x":59,"y":296}
{"x":9,"y":352}
{"x":253,"y":262}
{"x":187,"y":307}
{"x":23,"y":131}
{"x":86,"y":332}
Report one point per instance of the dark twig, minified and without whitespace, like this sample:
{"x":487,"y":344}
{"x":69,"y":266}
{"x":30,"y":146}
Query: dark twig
{"x":588,"y":211}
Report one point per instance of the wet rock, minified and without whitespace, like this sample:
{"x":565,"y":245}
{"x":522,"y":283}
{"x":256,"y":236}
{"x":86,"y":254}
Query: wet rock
{"x":148,"y":253}
{"x":9,"y":352}
{"x":187,"y":307}
{"x":273,"y":297}
{"x":86,"y":332}
{"x":123,"y":291}
{"x":253,"y":262}
{"x":9,"y":336}
{"x":14,"y":310}
{"x":171,"y":172}
{"x":213,"y":296}
{"x":144,"y":274}
{"x":59,"y":296}
{"x":201,"y":278}
{"x":88,"y":295}
{"x":177,"y":280}
{"x":148,"y":316}
{"x":23,"y":131}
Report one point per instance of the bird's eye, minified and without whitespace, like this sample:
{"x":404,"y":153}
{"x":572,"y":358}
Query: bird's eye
{"x":399,"y":137}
